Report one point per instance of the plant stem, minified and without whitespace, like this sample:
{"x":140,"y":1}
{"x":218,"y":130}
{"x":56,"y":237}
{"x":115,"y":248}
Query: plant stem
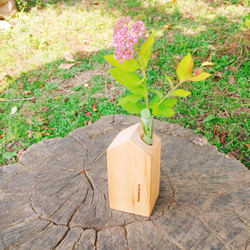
{"x":172,"y":90}
{"x":143,"y":74}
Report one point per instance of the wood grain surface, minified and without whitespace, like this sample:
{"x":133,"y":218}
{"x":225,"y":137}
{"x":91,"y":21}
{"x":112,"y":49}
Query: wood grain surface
{"x":56,"y":196}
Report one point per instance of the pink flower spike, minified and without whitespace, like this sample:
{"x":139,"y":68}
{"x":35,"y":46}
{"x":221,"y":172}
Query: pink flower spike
{"x":125,"y":38}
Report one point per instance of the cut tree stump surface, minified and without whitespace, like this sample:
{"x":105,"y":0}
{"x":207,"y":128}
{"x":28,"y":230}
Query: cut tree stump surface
{"x":204,"y":200}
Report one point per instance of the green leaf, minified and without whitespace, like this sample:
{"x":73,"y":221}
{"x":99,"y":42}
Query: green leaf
{"x":202,"y":76}
{"x":8,"y":155}
{"x":163,"y":111}
{"x":157,"y":92}
{"x":209,"y":118}
{"x":131,"y":104}
{"x":127,"y":65}
{"x":163,"y":108}
{"x":185,"y":68}
{"x":128,"y":79}
{"x":170,"y":81}
{"x":129,"y":99}
{"x":146,"y":51}
{"x":168,"y":102}
{"x":154,"y":101}
{"x":133,"y":108}
{"x":181,"y":93}
{"x":139,"y":90}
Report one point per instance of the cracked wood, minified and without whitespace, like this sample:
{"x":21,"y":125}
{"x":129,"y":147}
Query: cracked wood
{"x":204,"y":200}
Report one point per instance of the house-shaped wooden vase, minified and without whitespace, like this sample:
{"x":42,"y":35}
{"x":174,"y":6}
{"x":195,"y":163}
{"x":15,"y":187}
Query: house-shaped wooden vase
{"x":133,"y":172}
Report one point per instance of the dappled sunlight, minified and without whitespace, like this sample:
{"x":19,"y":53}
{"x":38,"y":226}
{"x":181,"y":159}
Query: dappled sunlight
{"x":199,"y":10}
{"x":192,"y":30}
{"x":43,"y":35}
{"x":53,"y":92}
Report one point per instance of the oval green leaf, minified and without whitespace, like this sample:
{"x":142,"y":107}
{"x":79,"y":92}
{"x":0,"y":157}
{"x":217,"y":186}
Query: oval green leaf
{"x":202,"y":76}
{"x":168,"y":102}
{"x":128,"y":79}
{"x":127,"y":65}
{"x":8,"y":155}
{"x":133,"y":108}
{"x":163,"y":111}
{"x":185,"y":68}
{"x":157,"y":92}
{"x":146,"y":51}
{"x":170,"y":81}
{"x":129,"y":99}
{"x":181,"y":93}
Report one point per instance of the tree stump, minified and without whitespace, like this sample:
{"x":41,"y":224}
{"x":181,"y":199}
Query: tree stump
{"x":56,"y":196}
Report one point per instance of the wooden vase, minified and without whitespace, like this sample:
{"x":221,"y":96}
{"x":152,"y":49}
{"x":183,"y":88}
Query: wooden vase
{"x":133,"y":172}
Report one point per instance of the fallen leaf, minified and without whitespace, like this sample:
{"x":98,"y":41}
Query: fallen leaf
{"x":90,"y":121}
{"x":39,"y":134}
{"x":167,"y":26}
{"x":207,"y":64}
{"x":53,"y":129}
{"x":29,"y":121}
{"x":174,"y":1}
{"x":247,"y":145}
{"x":47,"y":133}
{"x":155,"y":55}
{"x":231,"y":155}
{"x":29,"y":133}
{"x":88,"y":113}
{"x":211,"y":47}
{"x":20,"y":85}
{"x":52,"y":70}
{"x":222,"y":137}
{"x":27,"y":92}
{"x":20,"y":152}
{"x":65,"y":99}
{"x":94,"y":108}
{"x":66,"y":66}
{"x":2,"y":99}
{"x":85,"y":123}
{"x":100,"y":115}
{"x":2,"y":135}
{"x":177,"y":57}
{"x":215,"y":89}
{"x":5,"y":74}
{"x":231,"y":79}
{"x":68,"y":57}
{"x":245,"y":120}
{"x":215,"y":130}
{"x":218,"y":74}
{"x":56,"y":97}
{"x":13,"y":110}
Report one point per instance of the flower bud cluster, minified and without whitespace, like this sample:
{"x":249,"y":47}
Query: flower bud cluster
{"x":125,"y":38}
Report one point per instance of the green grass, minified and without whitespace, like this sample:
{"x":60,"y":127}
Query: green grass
{"x":51,"y":102}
